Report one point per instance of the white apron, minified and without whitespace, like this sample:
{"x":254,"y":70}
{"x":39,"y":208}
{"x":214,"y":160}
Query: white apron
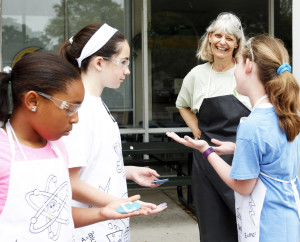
{"x":106,"y":172}
{"x":248,"y":208}
{"x":38,"y":205}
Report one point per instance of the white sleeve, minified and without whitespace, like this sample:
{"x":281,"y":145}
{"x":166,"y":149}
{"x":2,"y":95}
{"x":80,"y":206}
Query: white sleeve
{"x":184,"y":98}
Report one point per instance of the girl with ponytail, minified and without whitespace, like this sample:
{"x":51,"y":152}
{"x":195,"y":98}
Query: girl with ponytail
{"x":98,"y":176}
{"x":266,"y":154}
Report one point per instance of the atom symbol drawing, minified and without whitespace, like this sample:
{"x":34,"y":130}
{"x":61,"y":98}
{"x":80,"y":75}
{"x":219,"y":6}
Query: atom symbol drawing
{"x":50,"y":206}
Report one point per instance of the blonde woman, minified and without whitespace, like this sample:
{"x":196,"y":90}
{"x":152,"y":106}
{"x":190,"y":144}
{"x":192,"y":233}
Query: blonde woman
{"x":210,"y":105}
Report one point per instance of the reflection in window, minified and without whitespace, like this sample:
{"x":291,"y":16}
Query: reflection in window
{"x":33,"y":25}
{"x":23,"y":28}
{"x":283,"y":22}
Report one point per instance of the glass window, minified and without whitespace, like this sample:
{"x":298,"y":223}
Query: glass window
{"x":34,"y":25}
{"x":24,"y":25}
{"x":283,"y":22}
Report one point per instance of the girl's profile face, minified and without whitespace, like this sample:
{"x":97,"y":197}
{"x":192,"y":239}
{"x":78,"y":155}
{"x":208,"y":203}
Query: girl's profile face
{"x":117,"y":68}
{"x":53,"y":122}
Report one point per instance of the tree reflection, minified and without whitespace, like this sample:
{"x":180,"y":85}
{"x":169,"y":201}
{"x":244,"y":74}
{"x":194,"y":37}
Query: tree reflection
{"x":16,"y":37}
{"x":67,"y":20}
{"x":81,"y":13}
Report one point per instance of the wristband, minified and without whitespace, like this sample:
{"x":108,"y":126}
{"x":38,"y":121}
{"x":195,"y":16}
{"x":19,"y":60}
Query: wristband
{"x":206,"y":153}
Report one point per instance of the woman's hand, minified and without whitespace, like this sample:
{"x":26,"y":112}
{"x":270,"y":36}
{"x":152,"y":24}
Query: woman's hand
{"x":224,"y":147}
{"x":143,"y":176}
{"x":191,"y":120}
{"x":197,"y":133}
{"x":200,"y":145}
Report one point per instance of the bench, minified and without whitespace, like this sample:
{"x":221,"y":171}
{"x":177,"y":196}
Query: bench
{"x":163,"y":154}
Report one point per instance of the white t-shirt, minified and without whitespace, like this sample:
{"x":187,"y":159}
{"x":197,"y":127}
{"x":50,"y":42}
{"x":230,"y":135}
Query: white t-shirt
{"x":95,"y":145}
{"x":196,"y":85}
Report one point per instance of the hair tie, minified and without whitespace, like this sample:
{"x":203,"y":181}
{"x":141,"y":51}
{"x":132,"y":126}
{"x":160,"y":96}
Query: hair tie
{"x":71,"y":40}
{"x":284,"y":67}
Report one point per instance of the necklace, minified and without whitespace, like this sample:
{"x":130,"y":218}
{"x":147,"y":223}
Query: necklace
{"x":259,"y":100}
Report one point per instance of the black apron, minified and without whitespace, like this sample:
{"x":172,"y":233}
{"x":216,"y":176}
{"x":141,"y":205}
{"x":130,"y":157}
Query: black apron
{"x":218,"y":118}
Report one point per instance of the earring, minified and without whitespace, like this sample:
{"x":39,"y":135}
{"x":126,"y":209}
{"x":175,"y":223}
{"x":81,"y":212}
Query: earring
{"x":33,"y":109}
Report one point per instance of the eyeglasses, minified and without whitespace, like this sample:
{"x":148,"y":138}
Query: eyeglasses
{"x":69,"y":108}
{"x":124,"y":63}
{"x":250,"y":48}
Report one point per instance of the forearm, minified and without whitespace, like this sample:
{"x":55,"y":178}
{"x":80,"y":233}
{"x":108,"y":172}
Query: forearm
{"x":243,"y":187}
{"x":86,"y":216}
{"x":191,"y":121}
{"x":85,"y":193}
{"x":128,"y":172}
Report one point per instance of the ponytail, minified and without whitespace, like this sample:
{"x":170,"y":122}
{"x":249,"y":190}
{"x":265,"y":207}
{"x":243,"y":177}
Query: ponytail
{"x":282,"y":89}
{"x":5,"y":96}
{"x":64,"y":51}
{"x":283,"y":93}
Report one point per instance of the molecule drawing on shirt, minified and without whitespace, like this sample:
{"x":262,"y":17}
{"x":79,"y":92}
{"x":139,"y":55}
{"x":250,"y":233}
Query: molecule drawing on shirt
{"x":50,"y":206}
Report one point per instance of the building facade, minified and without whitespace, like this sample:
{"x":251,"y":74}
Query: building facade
{"x":163,"y":35}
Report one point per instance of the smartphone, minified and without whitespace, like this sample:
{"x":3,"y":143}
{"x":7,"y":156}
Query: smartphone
{"x":160,"y":181}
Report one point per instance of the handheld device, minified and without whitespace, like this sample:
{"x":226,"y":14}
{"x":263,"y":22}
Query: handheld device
{"x":160,"y":181}
{"x":129,"y":207}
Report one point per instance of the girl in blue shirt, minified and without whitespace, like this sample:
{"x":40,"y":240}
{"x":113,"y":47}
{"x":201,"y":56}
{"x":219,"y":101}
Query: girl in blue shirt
{"x":267,"y":150}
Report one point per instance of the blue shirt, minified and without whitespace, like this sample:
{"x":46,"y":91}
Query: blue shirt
{"x":261,"y":146}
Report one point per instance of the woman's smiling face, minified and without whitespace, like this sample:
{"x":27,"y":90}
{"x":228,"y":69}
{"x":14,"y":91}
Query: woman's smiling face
{"x":222,"y":44}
